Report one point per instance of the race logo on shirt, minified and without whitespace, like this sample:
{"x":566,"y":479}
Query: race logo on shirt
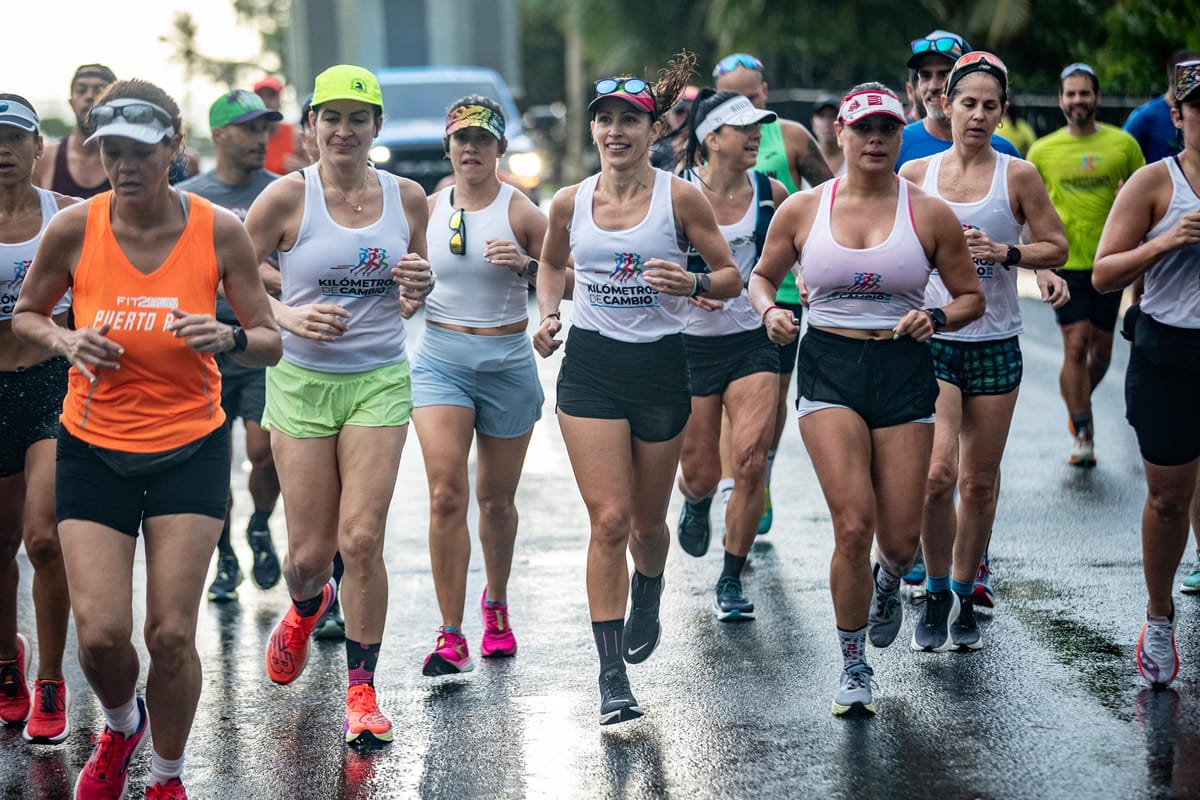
{"x":368,"y":278}
{"x":8,"y":299}
{"x":137,"y":313}
{"x":627,"y":267}
{"x":866,"y":286}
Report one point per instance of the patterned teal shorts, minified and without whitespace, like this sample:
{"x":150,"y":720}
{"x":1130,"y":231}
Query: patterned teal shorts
{"x":993,"y":367}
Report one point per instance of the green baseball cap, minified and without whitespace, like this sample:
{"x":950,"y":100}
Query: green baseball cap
{"x":347,"y":82}
{"x":238,"y":106}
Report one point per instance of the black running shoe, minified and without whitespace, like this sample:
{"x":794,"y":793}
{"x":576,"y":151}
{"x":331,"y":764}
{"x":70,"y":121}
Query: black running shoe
{"x":642,"y":632}
{"x":265,"y":571}
{"x":617,"y":703}
{"x":694,"y":531}
{"x":331,"y":626}
{"x":732,"y":605}
{"x":229,"y":575}
{"x":932,"y":631}
{"x":964,"y":632}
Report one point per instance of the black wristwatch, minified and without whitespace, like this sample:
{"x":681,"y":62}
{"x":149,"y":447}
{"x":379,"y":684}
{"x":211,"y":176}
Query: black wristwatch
{"x":531,"y":268}
{"x":1013,"y":257}
{"x":240,"y":342}
{"x":937,"y":317}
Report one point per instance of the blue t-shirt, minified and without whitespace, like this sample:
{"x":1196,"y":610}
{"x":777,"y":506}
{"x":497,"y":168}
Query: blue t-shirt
{"x":918,"y":143}
{"x":1150,"y":123}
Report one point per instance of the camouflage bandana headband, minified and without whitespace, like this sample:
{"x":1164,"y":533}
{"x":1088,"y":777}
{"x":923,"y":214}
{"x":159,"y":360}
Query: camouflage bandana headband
{"x":475,"y":117}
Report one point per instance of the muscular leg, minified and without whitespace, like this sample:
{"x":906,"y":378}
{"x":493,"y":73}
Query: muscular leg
{"x":445,"y":433}
{"x":1099,"y":354}
{"x":1074,"y":379}
{"x":497,"y":473}
{"x":749,"y":400}
{"x":51,"y":594}
{"x":898,"y":473}
{"x":311,"y":486}
{"x":654,"y":465}
{"x":1164,"y":529}
{"x":178,"y":548}
{"x":264,"y":480}
{"x":940,"y":520}
{"x":700,"y":456}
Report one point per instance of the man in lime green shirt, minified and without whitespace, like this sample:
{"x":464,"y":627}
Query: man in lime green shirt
{"x":789,"y":153}
{"x":1083,"y":165}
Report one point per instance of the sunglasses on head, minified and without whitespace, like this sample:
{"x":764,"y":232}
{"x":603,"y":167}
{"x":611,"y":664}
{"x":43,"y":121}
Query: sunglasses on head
{"x":458,"y":235}
{"x":134,"y":113}
{"x":1078,"y":66}
{"x":980,"y":56}
{"x":627,"y":85}
{"x":730,"y":63}
{"x":945,"y":45}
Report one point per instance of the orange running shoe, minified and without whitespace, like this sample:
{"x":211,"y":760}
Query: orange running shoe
{"x":363,"y":715}
{"x":287,"y":649}
{"x":171,"y":790}
{"x":14,"y":690}
{"x":50,"y":722}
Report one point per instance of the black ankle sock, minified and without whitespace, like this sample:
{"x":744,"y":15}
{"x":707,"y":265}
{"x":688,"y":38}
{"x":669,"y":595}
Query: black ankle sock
{"x":609,"y":641}
{"x":306,"y":608}
{"x":258,"y":520}
{"x":1082,"y":424}
{"x":361,"y":660}
{"x":224,"y":546}
{"x":644,"y":591}
{"x":733,"y":566}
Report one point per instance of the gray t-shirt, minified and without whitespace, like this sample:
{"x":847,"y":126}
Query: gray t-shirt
{"x":236,"y":198}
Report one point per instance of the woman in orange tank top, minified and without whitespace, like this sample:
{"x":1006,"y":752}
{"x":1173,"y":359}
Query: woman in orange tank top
{"x":141,"y":441}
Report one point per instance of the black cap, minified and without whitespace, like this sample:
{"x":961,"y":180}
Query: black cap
{"x":827,"y":100}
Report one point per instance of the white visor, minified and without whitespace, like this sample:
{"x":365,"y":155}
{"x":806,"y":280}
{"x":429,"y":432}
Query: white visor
{"x":734,"y":111}
{"x":865,"y":104}
{"x":151,"y":132}
{"x":18,"y":115}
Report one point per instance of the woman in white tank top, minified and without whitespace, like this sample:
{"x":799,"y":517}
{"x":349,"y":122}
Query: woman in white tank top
{"x":623,"y":390}
{"x":475,"y":376}
{"x":1153,"y":232}
{"x":979,"y":365}
{"x":734,"y":366}
{"x":866,"y":244}
{"x":351,"y":242}
{"x":33,"y":383}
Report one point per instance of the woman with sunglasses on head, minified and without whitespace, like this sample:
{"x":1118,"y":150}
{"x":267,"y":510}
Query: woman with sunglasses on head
{"x":475,"y":377}
{"x":623,"y":390}
{"x":734,"y":366}
{"x":1153,"y":232}
{"x":866,"y":244}
{"x":142,"y":442}
{"x":33,"y":381}
{"x":351,"y":243}
{"x":978,"y":366}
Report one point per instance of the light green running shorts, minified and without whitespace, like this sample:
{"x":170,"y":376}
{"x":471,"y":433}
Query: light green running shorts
{"x":306,"y":404}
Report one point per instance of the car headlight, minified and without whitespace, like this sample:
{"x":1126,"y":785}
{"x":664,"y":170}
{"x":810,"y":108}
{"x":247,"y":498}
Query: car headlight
{"x":525,"y":165}
{"x":380,"y":154}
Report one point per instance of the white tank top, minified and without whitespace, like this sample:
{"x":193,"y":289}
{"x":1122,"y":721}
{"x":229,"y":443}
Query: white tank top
{"x":352,"y":268}
{"x":992,"y":215}
{"x":1172,"y":294}
{"x":611,"y":295}
{"x":15,"y":259}
{"x":470,"y":291}
{"x":869,"y":289}
{"x":737,"y":315}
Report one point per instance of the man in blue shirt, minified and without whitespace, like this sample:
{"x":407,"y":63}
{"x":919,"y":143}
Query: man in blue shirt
{"x":1150,"y":123}
{"x":932,"y":58}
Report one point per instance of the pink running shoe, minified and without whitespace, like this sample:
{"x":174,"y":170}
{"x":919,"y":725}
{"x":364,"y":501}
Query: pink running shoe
{"x":15,"y":705}
{"x":103,"y":776}
{"x":498,"y":639}
{"x":287,"y":649}
{"x":449,"y":657}
{"x":171,"y":790}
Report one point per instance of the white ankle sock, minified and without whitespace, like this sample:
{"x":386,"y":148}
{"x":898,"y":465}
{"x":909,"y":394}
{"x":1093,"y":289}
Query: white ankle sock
{"x":163,"y":769}
{"x":124,"y":719}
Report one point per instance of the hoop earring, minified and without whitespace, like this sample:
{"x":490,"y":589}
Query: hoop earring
{"x":999,"y":124}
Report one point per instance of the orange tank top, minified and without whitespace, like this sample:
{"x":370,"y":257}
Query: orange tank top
{"x":165,"y":394}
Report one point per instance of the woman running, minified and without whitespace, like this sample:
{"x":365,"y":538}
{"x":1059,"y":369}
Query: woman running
{"x":978,"y":367}
{"x":33,"y":382}
{"x":350,"y":238}
{"x":734,"y":366}
{"x":142,"y":444}
{"x":866,"y":243}
{"x":1154,"y":230}
{"x":623,"y":390}
{"x":476,"y":378}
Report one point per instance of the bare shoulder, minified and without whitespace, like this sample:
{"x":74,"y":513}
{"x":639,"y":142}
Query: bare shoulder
{"x":225,"y":222}
{"x":686,"y":191}
{"x":931,"y":214}
{"x":67,"y":227}
{"x":563,"y":203}
{"x":800,"y":203}
{"x":283,"y":194}
{"x":914,"y":171}
{"x":779,"y":192}
{"x":410,"y":190}
{"x":65,"y":200}
{"x":793,"y":128}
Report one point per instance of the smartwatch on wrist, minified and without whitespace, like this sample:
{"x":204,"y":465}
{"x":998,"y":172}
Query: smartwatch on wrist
{"x":703,"y":284}
{"x":937,"y":317}
{"x":1013,"y":257}
{"x":531,"y":269}
{"x":240,"y":342}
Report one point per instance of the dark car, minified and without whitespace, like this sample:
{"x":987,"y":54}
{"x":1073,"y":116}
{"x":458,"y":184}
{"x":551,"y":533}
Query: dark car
{"x":416,"y":100}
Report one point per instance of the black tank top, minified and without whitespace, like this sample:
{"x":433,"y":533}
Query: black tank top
{"x":63,"y":183}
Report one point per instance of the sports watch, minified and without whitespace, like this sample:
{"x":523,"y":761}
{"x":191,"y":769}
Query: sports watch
{"x":240,"y":342}
{"x":1013,"y":257}
{"x":937,"y":317}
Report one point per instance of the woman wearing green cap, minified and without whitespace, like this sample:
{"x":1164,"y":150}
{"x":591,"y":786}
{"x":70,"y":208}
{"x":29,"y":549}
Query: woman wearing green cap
{"x":351,"y":243}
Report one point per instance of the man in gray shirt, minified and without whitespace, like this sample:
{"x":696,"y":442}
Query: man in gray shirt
{"x":239,"y":122}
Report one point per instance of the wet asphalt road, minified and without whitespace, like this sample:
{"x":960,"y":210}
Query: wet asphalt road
{"x":1051,"y":707}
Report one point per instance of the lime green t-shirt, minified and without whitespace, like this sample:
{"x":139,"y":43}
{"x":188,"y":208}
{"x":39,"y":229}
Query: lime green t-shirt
{"x":773,"y":160}
{"x":1082,"y":175}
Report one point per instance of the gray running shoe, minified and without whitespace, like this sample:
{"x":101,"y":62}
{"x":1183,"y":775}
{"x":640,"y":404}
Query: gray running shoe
{"x":932,"y":631}
{"x":617,"y":703}
{"x":732,"y":605}
{"x":887,"y":612}
{"x":964,"y":631}
{"x":854,"y":692}
{"x":694,"y":531}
